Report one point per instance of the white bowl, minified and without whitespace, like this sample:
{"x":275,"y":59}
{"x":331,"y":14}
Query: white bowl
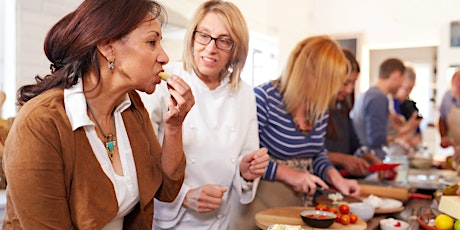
{"x":391,"y":224}
{"x":421,"y":163}
{"x":363,"y":210}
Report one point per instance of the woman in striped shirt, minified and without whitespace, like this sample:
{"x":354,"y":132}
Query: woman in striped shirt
{"x":292,"y":114}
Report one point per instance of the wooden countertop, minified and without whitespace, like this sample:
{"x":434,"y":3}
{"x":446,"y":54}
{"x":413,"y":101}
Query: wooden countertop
{"x":291,"y":216}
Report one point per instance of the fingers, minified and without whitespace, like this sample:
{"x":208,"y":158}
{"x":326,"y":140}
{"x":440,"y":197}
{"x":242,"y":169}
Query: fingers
{"x":308,"y":183}
{"x":181,"y":100}
{"x":204,"y":199}
{"x":320,"y":182}
{"x":260,"y":159}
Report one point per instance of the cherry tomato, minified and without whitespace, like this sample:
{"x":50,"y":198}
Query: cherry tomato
{"x":321,"y":207}
{"x":339,"y":216}
{"x":344,"y":208}
{"x":345,"y":219}
{"x":353,"y":218}
{"x":333,"y":210}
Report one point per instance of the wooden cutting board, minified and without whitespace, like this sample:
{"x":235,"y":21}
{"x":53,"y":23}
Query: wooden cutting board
{"x":291,"y":216}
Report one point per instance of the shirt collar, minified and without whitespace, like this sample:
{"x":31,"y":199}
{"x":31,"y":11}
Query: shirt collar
{"x":75,"y":106}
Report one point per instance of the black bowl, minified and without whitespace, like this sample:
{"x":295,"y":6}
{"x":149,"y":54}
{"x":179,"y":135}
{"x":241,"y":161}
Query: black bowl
{"x":317,"y":218}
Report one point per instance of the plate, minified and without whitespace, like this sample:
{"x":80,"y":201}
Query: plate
{"x":432,"y":179}
{"x":389,"y":206}
{"x":271,"y":227}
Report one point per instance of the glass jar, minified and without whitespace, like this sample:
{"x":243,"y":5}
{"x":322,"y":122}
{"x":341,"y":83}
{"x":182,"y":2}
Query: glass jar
{"x":402,"y":170}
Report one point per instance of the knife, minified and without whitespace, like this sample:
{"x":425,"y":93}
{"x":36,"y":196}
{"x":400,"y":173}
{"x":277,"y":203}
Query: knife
{"x":373,"y":168}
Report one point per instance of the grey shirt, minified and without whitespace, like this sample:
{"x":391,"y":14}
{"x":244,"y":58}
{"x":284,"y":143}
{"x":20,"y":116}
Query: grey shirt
{"x":370,"y":116}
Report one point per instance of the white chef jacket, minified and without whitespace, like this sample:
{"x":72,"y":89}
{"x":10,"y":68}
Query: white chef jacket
{"x":219,"y":129}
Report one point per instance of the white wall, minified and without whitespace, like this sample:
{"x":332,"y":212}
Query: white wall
{"x":381,"y":23}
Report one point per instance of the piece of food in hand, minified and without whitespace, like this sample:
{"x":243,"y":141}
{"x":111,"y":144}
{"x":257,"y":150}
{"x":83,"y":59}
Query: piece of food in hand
{"x":164,"y":76}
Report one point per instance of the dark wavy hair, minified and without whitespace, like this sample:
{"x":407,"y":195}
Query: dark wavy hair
{"x":71,"y":44}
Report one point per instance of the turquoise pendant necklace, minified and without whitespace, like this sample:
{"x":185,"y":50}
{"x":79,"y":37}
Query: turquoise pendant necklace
{"x":110,"y":140}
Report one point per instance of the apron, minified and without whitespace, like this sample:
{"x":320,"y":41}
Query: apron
{"x":453,"y":122}
{"x":272,"y":194}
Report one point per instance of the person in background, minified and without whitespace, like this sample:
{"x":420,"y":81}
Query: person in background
{"x":292,"y":115}
{"x":82,"y":153}
{"x":404,"y":117}
{"x":224,"y":162}
{"x":341,"y":139}
{"x":370,"y":113}
{"x":449,"y":114}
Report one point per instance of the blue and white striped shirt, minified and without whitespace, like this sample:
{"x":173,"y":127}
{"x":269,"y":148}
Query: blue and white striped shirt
{"x":279,"y":134}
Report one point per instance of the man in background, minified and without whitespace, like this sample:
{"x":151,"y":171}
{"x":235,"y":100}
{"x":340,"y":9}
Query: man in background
{"x":449,"y":114}
{"x":370,"y":113}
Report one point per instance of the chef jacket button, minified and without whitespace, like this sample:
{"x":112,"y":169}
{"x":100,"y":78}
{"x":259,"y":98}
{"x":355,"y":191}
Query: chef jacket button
{"x":219,"y":216}
{"x":193,"y":161}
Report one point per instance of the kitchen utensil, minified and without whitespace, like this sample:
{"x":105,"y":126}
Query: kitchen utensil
{"x":317,"y":218}
{"x":398,"y":193}
{"x":363,"y":210}
{"x":373,"y":168}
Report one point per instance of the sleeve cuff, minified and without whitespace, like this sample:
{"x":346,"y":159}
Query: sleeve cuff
{"x":270,"y":172}
{"x":361,"y":150}
{"x":246,"y":185}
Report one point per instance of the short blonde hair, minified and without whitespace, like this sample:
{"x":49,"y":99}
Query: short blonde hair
{"x":236,"y":25}
{"x":315,"y":70}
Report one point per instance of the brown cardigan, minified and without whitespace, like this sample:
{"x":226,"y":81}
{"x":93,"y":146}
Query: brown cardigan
{"x":55,"y":180}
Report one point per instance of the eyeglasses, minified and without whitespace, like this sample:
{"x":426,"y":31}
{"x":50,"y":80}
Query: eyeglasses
{"x":204,"y":39}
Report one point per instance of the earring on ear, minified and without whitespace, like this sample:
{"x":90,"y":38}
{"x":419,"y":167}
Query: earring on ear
{"x":111,"y":65}
{"x":230,"y":69}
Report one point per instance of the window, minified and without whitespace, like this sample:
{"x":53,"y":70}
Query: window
{"x":261,"y":64}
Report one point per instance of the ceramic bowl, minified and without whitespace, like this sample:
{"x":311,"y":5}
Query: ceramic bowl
{"x":421,"y":163}
{"x":363,"y":210}
{"x":317,"y":218}
{"x":393,"y":224}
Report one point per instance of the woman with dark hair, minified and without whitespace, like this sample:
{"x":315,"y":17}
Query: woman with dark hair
{"x":82,"y":153}
{"x":341,"y":139}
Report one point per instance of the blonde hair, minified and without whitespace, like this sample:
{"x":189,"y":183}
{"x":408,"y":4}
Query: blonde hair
{"x":236,"y":26}
{"x":315,"y":70}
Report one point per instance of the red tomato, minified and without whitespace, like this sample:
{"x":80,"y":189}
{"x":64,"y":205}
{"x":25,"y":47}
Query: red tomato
{"x":333,"y":210}
{"x":353,"y":218}
{"x":339,"y":216}
{"x":321,"y":207}
{"x":345,"y":219}
{"x":344,"y":208}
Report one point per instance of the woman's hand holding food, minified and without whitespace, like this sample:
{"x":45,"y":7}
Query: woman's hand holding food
{"x":181,"y":100}
{"x":205,"y":198}
{"x":253,"y":165}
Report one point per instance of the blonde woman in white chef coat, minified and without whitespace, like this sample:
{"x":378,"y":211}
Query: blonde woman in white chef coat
{"x":220,"y":133}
